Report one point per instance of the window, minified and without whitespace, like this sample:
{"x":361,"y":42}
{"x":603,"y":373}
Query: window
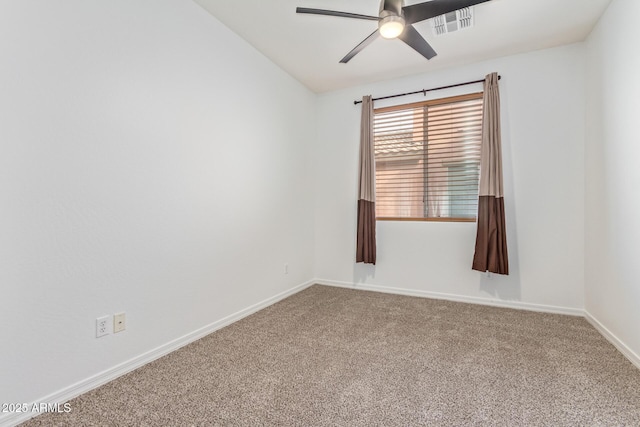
{"x":428,"y":159}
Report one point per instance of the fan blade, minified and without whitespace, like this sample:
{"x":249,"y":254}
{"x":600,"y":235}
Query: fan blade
{"x":412,"y":37}
{"x":364,"y":43}
{"x":421,"y":11}
{"x":335,"y":13}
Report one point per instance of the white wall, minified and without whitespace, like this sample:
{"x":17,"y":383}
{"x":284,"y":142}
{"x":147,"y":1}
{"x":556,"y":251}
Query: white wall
{"x":543,"y":151}
{"x":152,"y":162}
{"x":612,"y":205}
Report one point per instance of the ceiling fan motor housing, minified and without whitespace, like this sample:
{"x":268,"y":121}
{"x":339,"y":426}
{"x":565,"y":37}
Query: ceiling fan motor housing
{"x":392,"y":22}
{"x":392,"y":6}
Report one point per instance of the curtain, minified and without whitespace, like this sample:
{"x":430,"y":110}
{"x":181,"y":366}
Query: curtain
{"x":491,"y":238}
{"x":366,"y":240}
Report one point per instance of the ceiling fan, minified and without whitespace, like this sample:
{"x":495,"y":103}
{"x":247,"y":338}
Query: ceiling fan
{"x":395,"y":21}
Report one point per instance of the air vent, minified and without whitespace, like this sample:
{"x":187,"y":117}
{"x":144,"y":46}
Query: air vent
{"x":452,"y":21}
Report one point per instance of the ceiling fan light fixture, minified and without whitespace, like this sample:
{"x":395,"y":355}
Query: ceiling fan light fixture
{"x":391,"y":26}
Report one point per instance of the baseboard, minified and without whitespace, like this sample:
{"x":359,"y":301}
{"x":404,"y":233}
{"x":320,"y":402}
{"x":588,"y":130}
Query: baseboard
{"x":61,"y":396}
{"x":617,"y":342}
{"x":457,"y":298}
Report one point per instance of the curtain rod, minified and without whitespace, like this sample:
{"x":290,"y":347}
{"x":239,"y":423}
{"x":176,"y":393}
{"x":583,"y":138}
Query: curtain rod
{"x":424,"y":91}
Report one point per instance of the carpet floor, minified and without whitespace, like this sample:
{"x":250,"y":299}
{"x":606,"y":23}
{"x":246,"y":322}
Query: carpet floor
{"x":338,"y":357}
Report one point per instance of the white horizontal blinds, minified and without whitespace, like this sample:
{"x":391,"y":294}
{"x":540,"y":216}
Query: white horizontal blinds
{"x":428,"y":158}
{"x":399,"y":151}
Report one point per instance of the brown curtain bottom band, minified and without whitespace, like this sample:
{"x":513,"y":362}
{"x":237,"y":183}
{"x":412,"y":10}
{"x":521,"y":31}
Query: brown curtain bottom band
{"x":366,"y":244}
{"x":491,"y":239}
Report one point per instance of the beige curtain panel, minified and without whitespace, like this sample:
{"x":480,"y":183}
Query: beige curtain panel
{"x":491,"y":238}
{"x":366,"y":240}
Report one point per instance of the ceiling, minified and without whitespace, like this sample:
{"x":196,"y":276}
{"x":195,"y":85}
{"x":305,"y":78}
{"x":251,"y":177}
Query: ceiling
{"x":309,"y":47}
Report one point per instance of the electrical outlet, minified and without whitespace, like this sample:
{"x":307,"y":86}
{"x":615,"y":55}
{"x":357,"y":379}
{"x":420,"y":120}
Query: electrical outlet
{"x":118,"y":322}
{"x":102,"y":326}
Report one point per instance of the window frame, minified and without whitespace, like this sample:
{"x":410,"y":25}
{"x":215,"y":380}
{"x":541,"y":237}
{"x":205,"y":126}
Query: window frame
{"x":421,"y":104}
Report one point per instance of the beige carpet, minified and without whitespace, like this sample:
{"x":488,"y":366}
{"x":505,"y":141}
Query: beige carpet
{"x":330,"y":356}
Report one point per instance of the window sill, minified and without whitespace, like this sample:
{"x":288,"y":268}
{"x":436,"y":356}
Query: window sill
{"x":426,"y":219}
